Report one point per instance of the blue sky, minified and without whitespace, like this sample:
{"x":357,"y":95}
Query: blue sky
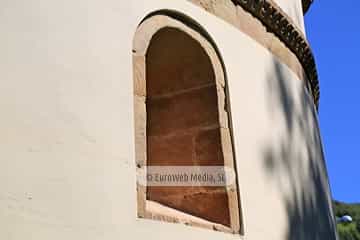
{"x":333,"y":30}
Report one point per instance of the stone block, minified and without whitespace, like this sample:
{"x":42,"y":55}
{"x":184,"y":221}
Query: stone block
{"x":139,"y":75}
{"x":176,"y":150}
{"x":208,"y":148}
{"x":194,"y":109}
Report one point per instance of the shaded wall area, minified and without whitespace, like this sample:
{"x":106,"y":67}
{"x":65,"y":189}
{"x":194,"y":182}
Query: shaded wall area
{"x":295,"y":163}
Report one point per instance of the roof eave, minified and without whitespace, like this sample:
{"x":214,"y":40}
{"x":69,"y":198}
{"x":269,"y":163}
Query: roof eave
{"x":306,"y":5}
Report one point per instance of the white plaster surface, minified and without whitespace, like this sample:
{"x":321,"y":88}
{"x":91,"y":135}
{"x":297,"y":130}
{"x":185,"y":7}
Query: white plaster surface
{"x":67,"y":167}
{"x":294,"y":10}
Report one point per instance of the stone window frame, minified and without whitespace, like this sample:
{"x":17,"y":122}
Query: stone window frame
{"x":149,"y":209}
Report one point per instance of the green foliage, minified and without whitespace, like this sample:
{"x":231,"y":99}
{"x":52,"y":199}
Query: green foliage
{"x":348,"y":231}
{"x":357,"y":222}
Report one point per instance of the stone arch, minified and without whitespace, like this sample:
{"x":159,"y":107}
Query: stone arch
{"x":161,"y":91}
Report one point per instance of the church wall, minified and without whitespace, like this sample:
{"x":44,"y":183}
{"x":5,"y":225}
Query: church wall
{"x":294,"y":10}
{"x":67,"y":158}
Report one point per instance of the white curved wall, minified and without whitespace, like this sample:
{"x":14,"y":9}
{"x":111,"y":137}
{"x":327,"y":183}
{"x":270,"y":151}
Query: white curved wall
{"x":294,"y":10}
{"x":67,"y":167}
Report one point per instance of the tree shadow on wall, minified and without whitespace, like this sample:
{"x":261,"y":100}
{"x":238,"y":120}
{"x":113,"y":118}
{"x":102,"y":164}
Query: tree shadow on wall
{"x":295,"y":162}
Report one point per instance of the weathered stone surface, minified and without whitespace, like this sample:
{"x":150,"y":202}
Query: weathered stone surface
{"x":140,"y":130}
{"x":247,"y":24}
{"x":176,"y":150}
{"x":226,"y":144}
{"x":141,"y":200}
{"x":210,"y":204}
{"x":222,"y":108}
{"x":139,"y":75}
{"x":194,"y":109}
{"x":208,"y":150}
{"x":170,"y":70}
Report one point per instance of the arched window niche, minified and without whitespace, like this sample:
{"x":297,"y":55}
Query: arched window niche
{"x":182,"y":119}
